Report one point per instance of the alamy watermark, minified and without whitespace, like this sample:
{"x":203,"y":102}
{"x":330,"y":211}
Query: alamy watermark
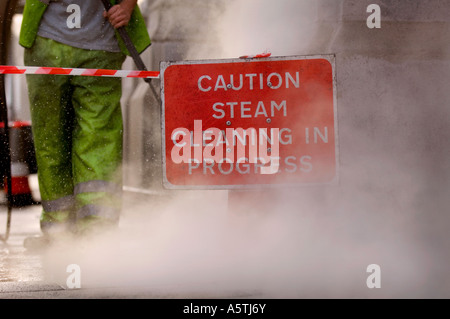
{"x":74,"y":19}
{"x":233,"y":145}
{"x":74,"y":279}
{"x":374,"y":279}
{"x":374,"y":19}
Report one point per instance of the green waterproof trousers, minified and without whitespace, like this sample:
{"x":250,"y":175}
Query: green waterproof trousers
{"x":78,"y":135}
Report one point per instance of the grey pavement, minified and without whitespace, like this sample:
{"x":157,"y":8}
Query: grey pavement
{"x":44,"y":274}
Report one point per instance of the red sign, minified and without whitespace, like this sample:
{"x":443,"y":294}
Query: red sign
{"x":244,"y":123}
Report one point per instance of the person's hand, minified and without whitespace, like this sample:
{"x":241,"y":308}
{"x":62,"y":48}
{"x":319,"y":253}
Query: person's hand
{"x":120,"y":14}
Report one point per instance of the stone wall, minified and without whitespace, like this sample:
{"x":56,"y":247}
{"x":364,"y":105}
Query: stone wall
{"x":391,"y":205}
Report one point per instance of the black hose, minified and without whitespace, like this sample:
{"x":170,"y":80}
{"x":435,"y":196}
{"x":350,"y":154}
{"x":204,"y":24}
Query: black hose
{"x":7,"y":154}
{"x":7,"y":10}
{"x":132,"y":50}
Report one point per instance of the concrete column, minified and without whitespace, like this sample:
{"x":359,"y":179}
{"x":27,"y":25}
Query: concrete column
{"x":393,"y":132}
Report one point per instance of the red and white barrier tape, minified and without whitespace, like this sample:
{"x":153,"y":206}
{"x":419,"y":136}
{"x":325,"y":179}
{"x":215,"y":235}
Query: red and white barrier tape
{"x":7,"y":69}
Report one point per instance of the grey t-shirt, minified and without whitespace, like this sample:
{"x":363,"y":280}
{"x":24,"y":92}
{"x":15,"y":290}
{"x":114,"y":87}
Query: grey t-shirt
{"x":79,"y":23}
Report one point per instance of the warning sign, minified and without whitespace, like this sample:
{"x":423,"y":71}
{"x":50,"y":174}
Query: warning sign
{"x":244,"y":123}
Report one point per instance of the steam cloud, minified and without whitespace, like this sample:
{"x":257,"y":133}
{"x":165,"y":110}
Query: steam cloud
{"x":389,"y":208}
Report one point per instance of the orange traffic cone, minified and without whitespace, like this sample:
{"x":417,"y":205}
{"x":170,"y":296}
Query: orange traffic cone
{"x":20,"y":186}
{"x":20,"y":140}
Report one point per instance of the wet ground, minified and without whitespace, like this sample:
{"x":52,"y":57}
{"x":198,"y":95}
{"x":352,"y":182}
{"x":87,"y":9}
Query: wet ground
{"x":202,"y":245}
{"x":43,"y":274}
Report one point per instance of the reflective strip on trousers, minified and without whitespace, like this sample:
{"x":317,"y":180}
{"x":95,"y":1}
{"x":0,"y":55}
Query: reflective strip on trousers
{"x":61,"y":204}
{"x":98,"y":211}
{"x":97,"y":186}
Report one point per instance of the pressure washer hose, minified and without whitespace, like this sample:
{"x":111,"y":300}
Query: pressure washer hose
{"x":8,"y":224}
{"x":4,"y":115}
{"x":7,"y":10}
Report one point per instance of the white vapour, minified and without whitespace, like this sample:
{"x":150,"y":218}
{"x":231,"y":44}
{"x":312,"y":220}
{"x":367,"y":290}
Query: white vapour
{"x":248,"y":27}
{"x":310,"y":241}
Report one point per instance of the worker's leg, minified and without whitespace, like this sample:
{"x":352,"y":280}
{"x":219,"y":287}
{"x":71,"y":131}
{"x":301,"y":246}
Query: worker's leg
{"x":52,"y":118}
{"x":97,"y":142}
